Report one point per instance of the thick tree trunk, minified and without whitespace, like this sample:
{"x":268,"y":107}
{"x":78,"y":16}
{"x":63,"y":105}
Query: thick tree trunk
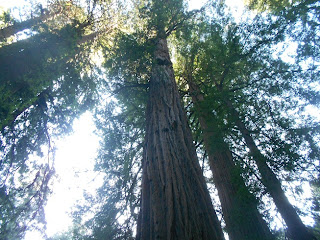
{"x":297,"y":230}
{"x":239,"y":206}
{"x":175,"y":202}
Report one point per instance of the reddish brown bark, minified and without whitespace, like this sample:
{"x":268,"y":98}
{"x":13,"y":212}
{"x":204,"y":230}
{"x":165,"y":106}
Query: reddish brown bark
{"x":297,"y":230}
{"x":239,"y":206}
{"x":175,"y":202}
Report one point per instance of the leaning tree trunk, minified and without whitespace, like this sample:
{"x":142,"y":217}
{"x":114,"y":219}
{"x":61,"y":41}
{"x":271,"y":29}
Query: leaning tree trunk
{"x":20,"y":26}
{"x":175,"y":202}
{"x":297,"y":230}
{"x":239,"y":206}
{"x":21,"y":89}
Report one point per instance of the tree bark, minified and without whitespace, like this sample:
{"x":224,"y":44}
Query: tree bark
{"x":20,"y":26}
{"x":175,"y":202}
{"x":239,"y":206}
{"x":297,"y":230}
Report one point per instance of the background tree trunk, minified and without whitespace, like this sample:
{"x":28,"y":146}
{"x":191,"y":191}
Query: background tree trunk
{"x":297,"y":230}
{"x":239,"y":206}
{"x":175,"y":202}
{"x":20,"y":26}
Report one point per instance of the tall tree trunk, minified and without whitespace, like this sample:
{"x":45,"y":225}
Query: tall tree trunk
{"x":175,"y":202}
{"x":20,"y":26}
{"x":239,"y":206}
{"x":15,"y":89}
{"x":297,"y":230}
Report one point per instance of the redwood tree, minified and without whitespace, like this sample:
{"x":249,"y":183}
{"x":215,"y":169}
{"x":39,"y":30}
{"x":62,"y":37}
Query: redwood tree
{"x":175,"y":202}
{"x":297,"y":230}
{"x":239,"y":206}
{"x":16,"y":27}
{"x":227,"y":68}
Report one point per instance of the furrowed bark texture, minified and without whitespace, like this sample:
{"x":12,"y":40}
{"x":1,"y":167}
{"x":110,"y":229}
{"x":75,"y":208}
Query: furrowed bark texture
{"x":239,"y":206}
{"x":175,"y":202}
{"x":297,"y":230}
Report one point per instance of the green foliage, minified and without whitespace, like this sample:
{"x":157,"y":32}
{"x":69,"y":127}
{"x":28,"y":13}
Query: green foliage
{"x":270,"y":5}
{"x":50,"y":116}
{"x":120,"y":120}
{"x":128,"y":61}
{"x":61,"y":236}
{"x":6,"y":18}
{"x":160,"y":17}
{"x":16,"y":203}
{"x":44,"y":85}
{"x":30,"y":66}
{"x":116,"y":203}
{"x":300,"y":21}
{"x":235,"y":63}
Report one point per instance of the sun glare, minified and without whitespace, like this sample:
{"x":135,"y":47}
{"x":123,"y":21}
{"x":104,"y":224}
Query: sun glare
{"x":74,"y":164}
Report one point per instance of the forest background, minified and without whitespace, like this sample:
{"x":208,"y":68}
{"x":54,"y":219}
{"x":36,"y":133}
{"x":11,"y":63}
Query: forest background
{"x":249,"y":87}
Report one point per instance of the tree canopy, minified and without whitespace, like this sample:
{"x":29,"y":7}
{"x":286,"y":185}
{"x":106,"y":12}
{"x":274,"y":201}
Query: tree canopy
{"x":185,"y":101}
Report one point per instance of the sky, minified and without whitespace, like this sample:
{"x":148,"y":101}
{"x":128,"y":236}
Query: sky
{"x":10,"y":4}
{"x":6,"y":4}
{"x":74,"y":164}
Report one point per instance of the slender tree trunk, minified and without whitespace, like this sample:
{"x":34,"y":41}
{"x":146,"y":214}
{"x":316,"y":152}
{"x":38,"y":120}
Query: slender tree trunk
{"x":297,"y":230}
{"x":175,"y":203}
{"x":20,"y":26}
{"x":239,"y":206}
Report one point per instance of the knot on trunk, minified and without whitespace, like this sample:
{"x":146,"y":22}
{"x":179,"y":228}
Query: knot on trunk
{"x":161,"y":54}
{"x":161,"y":61}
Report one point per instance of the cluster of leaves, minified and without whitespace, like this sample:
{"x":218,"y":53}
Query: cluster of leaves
{"x":6,"y":18}
{"x":115,"y":206}
{"x":120,"y":121}
{"x":46,"y":83}
{"x":235,"y":63}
